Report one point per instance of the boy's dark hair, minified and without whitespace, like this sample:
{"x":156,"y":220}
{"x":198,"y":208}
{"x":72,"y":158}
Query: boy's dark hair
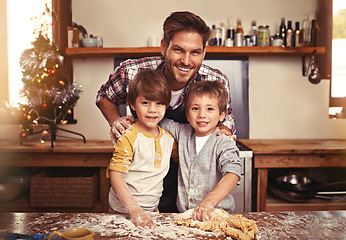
{"x":152,"y":85}
{"x":185,"y":21}
{"x":213,"y":89}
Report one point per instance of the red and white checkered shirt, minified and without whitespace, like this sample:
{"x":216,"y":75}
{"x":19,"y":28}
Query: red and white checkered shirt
{"x":115,"y":89}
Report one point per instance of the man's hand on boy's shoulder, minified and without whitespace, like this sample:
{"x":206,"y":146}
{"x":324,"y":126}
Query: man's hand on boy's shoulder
{"x":225,"y":130}
{"x":119,"y":126}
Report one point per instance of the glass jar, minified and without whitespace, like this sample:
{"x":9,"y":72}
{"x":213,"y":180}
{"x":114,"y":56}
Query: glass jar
{"x":277,"y":41}
{"x":263,"y":38}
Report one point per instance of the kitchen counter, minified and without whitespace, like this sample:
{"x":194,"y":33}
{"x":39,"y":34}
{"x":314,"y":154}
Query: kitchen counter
{"x":280,"y":225}
{"x":294,"y":153}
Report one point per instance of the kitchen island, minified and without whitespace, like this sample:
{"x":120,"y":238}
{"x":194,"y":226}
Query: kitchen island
{"x":272,"y":225}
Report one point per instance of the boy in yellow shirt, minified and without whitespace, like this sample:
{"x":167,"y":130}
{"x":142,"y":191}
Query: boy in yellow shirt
{"x":142,"y":155}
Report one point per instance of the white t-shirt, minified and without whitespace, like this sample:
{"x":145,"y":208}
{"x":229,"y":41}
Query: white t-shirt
{"x":175,"y":97}
{"x":200,"y":141}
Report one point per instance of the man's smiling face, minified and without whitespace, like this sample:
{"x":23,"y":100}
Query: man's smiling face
{"x":183,"y":58}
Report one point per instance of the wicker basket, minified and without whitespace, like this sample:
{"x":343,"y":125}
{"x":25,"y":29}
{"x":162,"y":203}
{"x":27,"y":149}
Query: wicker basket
{"x":63,"y":188}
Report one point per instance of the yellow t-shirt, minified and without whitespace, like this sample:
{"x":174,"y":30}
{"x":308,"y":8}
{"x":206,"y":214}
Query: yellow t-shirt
{"x":145,"y":161}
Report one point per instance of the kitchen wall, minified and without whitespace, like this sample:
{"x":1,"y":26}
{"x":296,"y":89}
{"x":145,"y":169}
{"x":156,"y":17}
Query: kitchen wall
{"x":282,"y":103}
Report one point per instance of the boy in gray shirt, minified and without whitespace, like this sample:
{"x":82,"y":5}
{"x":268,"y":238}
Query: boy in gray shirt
{"x":209,"y":165}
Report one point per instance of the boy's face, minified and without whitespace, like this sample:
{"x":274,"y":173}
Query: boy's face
{"x":183,"y":58}
{"x":203,"y":114}
{"x":149,"y":113}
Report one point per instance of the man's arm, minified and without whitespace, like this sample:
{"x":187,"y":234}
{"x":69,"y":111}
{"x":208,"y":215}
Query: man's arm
{"x":109,"y":110}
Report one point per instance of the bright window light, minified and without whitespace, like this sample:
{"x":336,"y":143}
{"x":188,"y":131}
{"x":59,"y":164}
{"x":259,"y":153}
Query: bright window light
{"x":338,"y":86}
{"x":21,"y":26}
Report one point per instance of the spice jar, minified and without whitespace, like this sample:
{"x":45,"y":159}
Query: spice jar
{"x":277,"y":41}
{"x":263,"y":36}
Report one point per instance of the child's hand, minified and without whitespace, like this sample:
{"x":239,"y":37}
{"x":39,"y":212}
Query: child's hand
{"x":141,"y":218}
{"x":204,"y":211}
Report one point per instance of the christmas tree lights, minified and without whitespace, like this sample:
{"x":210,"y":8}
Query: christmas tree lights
{"x":48,"y":96}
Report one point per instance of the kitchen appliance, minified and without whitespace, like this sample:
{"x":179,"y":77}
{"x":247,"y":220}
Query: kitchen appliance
{"x":242,"y":193}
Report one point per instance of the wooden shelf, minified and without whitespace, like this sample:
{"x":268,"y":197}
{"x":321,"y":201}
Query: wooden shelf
{"x":274,"y":204}
{"x":132,"y":52}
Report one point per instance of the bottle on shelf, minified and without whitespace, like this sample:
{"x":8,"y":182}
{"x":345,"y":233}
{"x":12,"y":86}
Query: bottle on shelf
{"x":306,"y":32}
{"x":253,"y":34}
{"x":247,"y":41}
{"x":229,"y":40}
{"x":231,"y":29}
{"x":289,"y":34}
{"x":239,"y":34}
{"x":314,"y":32}
{"x":297,"y":36}
{"x":282,"y":31}
{"x":216,"y":37}
{"x":223,"y":30}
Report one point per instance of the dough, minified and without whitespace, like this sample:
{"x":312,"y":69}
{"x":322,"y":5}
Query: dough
{"x":235,"y":226}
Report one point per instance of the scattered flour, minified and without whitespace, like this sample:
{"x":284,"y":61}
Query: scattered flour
{"x":285,"y":225}
{"x":119,"y":226}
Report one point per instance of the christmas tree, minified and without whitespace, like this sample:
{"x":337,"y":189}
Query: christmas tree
{"x":48,"y":96}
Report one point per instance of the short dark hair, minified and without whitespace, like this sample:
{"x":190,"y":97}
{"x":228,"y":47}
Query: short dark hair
{"x":213,"y":89}
{"x":152,"y":85}
{"x":185,"y":21}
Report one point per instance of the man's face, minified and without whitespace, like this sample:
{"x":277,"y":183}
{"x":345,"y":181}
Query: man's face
{"x":183,"y":58}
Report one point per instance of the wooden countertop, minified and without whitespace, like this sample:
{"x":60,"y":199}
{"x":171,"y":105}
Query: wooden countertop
{"x":258,"y":146}
{"x":295,"y":146}
{"x":283,"y":225}
{"x":66,"y":146}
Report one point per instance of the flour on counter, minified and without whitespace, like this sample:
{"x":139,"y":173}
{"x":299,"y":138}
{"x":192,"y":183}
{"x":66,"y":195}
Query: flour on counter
{"x":118,"y":226}
{"x":309,"y":226}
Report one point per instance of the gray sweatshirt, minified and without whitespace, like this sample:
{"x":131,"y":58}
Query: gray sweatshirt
{"x":199,"y":174}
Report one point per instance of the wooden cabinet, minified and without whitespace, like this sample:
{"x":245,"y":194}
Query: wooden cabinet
{"x":268,"y":154}
{"x":65,"y":153}
{"x":276,"y":154}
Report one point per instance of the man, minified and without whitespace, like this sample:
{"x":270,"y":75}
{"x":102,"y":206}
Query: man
{"x":183,"y":48}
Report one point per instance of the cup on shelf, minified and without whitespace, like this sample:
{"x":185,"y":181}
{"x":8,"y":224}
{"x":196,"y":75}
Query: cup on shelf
{"x":92,"y":42}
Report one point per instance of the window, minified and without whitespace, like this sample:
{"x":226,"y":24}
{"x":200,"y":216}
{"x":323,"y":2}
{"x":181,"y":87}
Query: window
{"x":338,"y":86}
{"x":338,"y":76}
{"x":331,"y":17}
{"x":22,"y":18}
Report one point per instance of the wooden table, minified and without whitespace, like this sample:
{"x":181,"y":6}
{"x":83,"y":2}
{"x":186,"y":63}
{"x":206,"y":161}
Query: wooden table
{"x":269,"y":154}
{"x":65,"y":153}
{"x":284,"y":225}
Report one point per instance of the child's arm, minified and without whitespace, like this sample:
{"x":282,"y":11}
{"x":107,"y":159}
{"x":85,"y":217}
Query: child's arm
{"x":205,"y":208}
{"x":138,"y":216}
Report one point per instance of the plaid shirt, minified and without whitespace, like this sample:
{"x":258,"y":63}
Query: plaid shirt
{"x":115,"y":89}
